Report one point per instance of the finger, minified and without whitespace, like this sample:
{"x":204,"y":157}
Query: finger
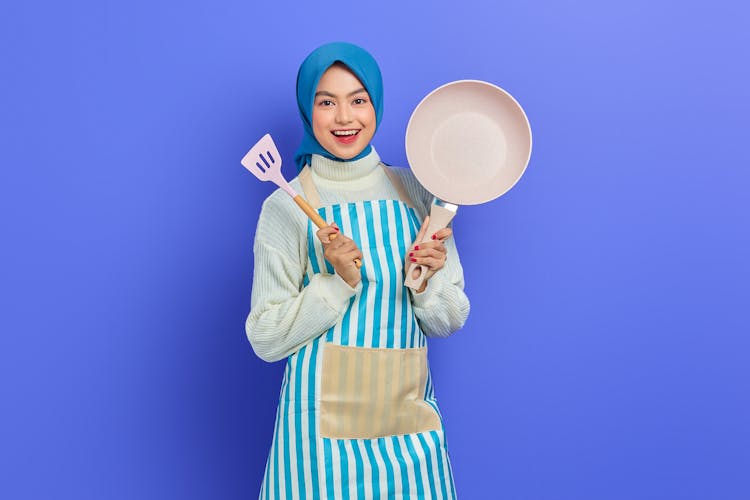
{"x":422,"y":230}
{"x":426,"y":245}
{"x":346,"y":258}
{"x":442,"y":234}
{"x":336,"y":249}
{"x":350,"y":256}
{"x":433,"y":253}
{"x":325,"y":234}
{"x":344,"y":246}
{"x":431,"y":262}
{"x":332,"y":248}
{"x":340,"y":246}
{"x":425,"y":249}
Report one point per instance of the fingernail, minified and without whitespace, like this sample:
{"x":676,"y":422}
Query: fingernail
{"x":413,"y":260}
{"x":336,"y":228}
{"x":416,"y":247}
{"x":433,"y":236}
{"x":411,"y":254}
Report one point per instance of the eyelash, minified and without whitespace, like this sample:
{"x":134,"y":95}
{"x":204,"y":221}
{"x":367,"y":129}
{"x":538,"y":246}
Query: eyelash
{"x":357,"y":101}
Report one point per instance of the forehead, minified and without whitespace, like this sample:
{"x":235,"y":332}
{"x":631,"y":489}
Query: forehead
{"x":338,"y":79}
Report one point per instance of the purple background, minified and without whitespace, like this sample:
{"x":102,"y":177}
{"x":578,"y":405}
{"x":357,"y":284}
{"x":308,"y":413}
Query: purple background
{"x":606,"y":354}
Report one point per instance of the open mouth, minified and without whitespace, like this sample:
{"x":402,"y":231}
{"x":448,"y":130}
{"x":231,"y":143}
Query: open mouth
{"x":345,"y":136}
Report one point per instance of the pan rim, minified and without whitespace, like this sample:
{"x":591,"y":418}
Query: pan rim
{"x":495,"y":88}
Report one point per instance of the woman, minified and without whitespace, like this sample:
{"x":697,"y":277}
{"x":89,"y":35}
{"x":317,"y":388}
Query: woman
{"x":357,"y":415}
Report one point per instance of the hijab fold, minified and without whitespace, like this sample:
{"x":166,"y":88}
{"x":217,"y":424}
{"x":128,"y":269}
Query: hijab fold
{"x":359,"y":62}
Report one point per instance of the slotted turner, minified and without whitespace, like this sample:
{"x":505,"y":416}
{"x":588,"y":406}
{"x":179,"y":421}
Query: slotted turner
{"x":264,"y":162}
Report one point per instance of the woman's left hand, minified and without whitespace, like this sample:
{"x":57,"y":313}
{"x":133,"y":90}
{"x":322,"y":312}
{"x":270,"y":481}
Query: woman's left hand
{"x":431,"y":253}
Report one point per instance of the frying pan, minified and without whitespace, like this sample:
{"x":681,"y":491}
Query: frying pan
{"x":467,"y":142}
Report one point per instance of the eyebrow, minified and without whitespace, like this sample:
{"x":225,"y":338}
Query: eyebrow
{"x":328,"y":94}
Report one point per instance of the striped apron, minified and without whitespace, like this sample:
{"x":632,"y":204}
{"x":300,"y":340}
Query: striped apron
{"x":357,"y":416}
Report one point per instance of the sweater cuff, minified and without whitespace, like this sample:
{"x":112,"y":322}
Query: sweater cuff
{"x":435,"y":285}
{"x":336,"y":292}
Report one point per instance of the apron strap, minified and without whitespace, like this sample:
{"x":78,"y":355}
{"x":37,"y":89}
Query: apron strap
{"x":308,"y":187}
{"x":398,"y":185}
{"x":313,"y":198}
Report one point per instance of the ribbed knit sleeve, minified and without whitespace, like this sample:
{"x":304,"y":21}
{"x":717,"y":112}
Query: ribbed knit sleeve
{"x":284,"y":315}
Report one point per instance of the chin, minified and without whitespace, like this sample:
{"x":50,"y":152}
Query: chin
{"x":345,"y":154}
{"x":349,"y":155}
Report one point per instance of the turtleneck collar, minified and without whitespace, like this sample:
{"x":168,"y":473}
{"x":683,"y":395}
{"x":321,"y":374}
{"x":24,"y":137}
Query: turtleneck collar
{"x":345,"y":171}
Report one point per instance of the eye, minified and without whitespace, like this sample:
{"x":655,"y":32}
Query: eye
{"x":325,"y":102}
{"x":359,"y":100}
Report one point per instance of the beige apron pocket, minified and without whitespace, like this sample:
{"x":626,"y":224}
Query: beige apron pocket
{"x":369,"y":393}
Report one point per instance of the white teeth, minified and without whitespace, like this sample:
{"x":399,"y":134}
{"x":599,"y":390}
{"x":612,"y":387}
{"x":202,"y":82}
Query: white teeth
{"x":345,"y":132}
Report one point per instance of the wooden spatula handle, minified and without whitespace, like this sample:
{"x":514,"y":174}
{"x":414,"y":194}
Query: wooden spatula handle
{"x":310,"y":211}
{"x":317,"y":219}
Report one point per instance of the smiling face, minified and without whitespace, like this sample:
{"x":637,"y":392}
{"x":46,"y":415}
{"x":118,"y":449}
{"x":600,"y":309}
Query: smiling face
{"x":343,"y":117}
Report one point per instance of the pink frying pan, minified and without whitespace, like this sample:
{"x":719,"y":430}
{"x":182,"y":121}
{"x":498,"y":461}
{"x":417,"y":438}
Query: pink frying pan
{"x":467,"y":142}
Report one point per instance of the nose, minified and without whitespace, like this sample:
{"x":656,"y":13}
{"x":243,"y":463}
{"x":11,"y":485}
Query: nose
{"x":343,"y":114}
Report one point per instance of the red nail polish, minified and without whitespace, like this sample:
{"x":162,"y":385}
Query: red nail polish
{"x":411,"y":254}
{"x":416,"y":247}
{"x":413,"y":260}
{"x":433,"y":236}
{"x":336,"y":228}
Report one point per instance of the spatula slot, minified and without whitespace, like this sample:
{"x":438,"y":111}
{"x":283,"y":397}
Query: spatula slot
{"x":268,"y":165}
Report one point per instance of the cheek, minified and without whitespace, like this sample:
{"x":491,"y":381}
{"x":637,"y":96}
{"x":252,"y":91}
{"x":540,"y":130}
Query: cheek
{"x":369,"y":115}
{"x":318,"y":124}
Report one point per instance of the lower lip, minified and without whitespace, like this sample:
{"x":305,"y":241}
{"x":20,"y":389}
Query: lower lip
{"x":346,"y":139}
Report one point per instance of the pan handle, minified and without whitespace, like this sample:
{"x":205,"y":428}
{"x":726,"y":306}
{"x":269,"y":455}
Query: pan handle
{"x":440,"y":216}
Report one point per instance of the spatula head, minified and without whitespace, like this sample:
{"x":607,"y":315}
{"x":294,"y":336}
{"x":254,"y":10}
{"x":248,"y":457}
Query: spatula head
{"x":264,"y":160}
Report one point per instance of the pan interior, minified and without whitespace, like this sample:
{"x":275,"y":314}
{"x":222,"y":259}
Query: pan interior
{"x":468,"y":142}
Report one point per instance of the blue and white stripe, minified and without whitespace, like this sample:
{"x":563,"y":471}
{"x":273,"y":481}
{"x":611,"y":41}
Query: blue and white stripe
{"x":381,"y":314}
{"x":303,"y":465}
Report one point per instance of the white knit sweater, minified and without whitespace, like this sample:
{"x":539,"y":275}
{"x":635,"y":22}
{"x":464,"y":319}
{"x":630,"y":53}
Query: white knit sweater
{"x":284,"y":314}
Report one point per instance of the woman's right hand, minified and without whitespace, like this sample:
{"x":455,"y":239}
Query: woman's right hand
{"x":341,"y":251}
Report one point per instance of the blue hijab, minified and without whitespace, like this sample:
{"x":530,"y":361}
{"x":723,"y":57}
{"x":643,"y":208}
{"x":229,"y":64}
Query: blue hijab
{"x":364,"y":67}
